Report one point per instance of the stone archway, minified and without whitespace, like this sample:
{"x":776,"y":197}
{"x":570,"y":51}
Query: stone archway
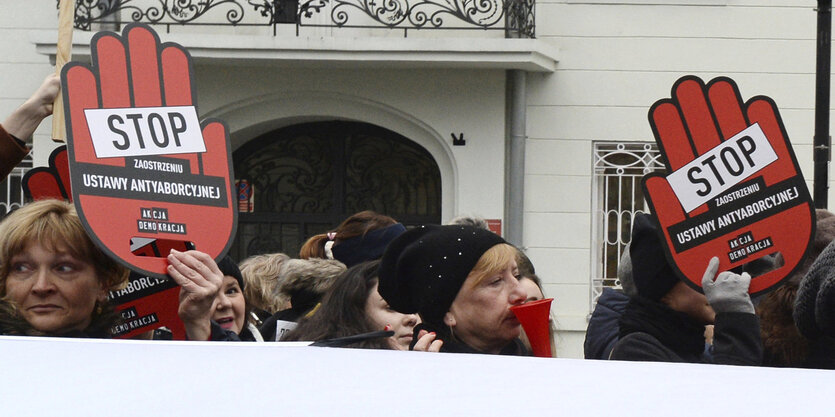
{"x":258,"y":115}
{"x":308,"y":177}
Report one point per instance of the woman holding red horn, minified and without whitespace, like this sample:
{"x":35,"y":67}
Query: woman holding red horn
{"x":461,"y":281}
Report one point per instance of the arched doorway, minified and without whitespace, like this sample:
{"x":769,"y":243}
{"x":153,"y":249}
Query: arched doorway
{"x":308,"y":178}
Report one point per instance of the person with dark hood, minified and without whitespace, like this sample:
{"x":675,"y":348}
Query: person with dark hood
{"x":784,"y":345}
{"x":814,"y":311}
{"x":461,"y":281}
{"x":359,"y":238}
{"x":665,"y":321}
{"x":603,"y":329}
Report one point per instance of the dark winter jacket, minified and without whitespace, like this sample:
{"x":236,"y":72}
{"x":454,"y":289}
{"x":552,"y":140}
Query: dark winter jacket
{"x":821,"y":354}
{"x":602,"y":332}
{"x":219,"y":334}
{"x":651,"y":331}
{"x":12,"y":151}
{"x":269,"y":327}
{"x":13,"y":324}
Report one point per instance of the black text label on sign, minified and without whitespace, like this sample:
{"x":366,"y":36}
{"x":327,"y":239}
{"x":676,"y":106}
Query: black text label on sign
{"x":722,"y":167}
{"x":145,"y":131}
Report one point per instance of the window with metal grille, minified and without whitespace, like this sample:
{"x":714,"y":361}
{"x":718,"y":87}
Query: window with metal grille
{"x":12,"y":195}
{"x":616,"y":197}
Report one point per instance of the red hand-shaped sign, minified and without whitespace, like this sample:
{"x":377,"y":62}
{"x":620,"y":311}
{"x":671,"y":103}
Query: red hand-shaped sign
{"x":52,"y":181}
{"x":143,"y":169}
{"x":733,"y":189}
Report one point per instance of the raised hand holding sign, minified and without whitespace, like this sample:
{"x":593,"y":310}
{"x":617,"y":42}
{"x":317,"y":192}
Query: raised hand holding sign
{"x":143,"y":168}
{"x":734,"y":188}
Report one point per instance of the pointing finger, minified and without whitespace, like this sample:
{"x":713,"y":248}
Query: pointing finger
{"x":710,"y":272}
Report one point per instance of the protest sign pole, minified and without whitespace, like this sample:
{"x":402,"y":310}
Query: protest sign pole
{"x":822,"y":140}
{"x":66,"y":12}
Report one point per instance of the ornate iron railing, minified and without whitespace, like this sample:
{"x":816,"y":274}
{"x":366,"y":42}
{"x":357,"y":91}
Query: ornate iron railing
{"x":616,"y":198}
{"x":515,"y":17}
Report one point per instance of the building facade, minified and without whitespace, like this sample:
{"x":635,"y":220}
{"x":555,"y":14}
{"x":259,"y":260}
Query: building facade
{"x":538,"y":120}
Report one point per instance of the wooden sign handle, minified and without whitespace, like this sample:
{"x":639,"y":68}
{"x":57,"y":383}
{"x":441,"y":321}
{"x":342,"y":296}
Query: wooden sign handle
{"x":63,"y":54}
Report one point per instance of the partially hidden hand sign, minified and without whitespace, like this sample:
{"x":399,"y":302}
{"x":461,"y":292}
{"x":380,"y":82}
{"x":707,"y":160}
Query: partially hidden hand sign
{"x":142,"y":166}
{"x":50,"y":182}
{"x":733,"y":189}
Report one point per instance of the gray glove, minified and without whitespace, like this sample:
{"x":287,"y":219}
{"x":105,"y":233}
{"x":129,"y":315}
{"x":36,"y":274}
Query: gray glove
{"x":729,"y":292}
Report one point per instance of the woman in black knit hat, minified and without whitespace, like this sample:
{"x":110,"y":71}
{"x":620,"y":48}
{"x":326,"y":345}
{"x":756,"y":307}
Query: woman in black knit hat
{"x":462,"y":282}
{"x":212,"y":304}
{"x":231,"y":309}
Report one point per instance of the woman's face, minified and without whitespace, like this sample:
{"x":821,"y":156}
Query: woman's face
{"x":532,"y":292}
{"x":381,"y":315}
{"x":480,"y":315}
{"x":230,"y":307}
{"x":54,"y":291}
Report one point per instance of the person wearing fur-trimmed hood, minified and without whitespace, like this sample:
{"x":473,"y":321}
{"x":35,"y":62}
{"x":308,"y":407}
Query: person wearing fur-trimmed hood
{"x":304,"y":282}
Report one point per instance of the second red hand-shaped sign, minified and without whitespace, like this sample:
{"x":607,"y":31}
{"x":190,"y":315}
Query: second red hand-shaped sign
{"x":143,"y":168}
{"x":733,"y":188}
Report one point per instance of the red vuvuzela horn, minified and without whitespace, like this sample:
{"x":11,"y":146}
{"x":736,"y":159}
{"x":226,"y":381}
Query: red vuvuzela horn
{"x":534,"y":319}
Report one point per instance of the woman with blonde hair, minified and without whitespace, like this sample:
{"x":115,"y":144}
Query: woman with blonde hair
{"x":262,"y":276}
{"x":53,"y":280}
{"x":461,"y":281}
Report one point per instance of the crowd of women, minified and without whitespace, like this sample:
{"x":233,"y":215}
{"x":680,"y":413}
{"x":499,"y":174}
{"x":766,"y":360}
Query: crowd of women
{"x":371,"y":283}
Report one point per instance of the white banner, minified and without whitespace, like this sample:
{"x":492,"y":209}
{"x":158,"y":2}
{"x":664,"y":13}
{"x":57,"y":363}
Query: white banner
{"x":78,"y":377}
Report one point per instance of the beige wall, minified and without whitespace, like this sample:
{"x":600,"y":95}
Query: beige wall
{"x":22,"y":69}
{"x":423,"y":105}
{"x":615,"y":61}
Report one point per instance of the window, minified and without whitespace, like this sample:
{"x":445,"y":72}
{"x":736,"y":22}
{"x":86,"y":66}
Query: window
{"x":616,"y":197}
{"x":12,"y":195}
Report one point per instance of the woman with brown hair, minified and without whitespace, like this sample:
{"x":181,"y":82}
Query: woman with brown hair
{"x":53,"y":280}
{"x":352,"y":306}
{"x":361,"y":237}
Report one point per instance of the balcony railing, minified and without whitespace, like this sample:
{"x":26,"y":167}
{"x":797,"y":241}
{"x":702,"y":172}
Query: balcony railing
{"x":515,"y":17}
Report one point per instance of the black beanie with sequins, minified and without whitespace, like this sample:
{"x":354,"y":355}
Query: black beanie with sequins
{"x":422,"y":270}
